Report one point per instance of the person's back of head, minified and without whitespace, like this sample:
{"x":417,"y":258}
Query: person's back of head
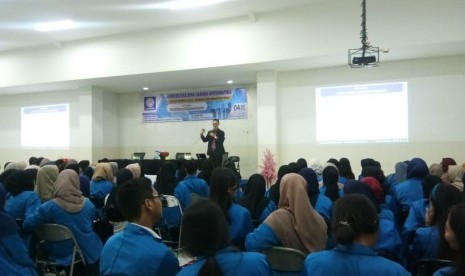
{"x":204,"y":232}
{"x":354,"y":218}
{"x":428,"y":183}
{"x":455,"y":235}
{"x":18,"y":182}
{"x":34,"y":161}
{"x":223,"y":184}
{"x":83,"y":164}
{"x":191,"y":167}
{"x":133,"y":195}
{"x":330,"y":180}
{"x":73,"y":166}
{"x":302,"y":163}
{"x":334,"y":162}
{"x":294,"y":167}
{"x":345,"y":169}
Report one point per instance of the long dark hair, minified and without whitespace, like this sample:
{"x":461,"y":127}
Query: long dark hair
{"x":204,"y":232}
{"x":345,"y":170}
{"x":274,"y":190}
{"x":221,"y":180}
{"x":166,"y":179}
{"x":354,"y":215}
{"x":330,"y":178}
{"x":457,"y":225}
{"x":254,"y":196}
{"x":442,"y":198}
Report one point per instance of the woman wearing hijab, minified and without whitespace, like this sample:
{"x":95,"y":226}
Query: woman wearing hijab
{"x":454,"y":176}
{"x":14,"y":259}
{"x":321,"y":203}
{"x":295,"y":224}
{"x":409,"y":190}
{"x":101,"y":184}
{"x":388,"y":243}
{"x":259,"y":206}
{"x":135,"y":169}
{"x":69,"y":208}
{"x":46,"y":177}
{"x":331,"y":187}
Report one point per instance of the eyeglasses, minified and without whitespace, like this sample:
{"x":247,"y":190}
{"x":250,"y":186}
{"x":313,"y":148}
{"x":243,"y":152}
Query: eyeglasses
{"x":156,"y":196}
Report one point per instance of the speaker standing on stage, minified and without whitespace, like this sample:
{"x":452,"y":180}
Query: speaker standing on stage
{"x":215,"y":139}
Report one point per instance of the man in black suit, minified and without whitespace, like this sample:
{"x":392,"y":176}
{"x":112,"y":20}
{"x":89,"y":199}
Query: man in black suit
{"x":215,"y":139}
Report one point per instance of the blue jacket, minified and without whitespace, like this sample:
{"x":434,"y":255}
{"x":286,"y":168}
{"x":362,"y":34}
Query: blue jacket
{"x":351,"y":259}
{"x":445,"y":271}
{"x":136,"y":251}
{"x":261,"y":238}
{"x":270,"y":208}
{"x":21,"y":206}
{"x":14,"y":259}
{"x":324,"y":206}
{"x":233,"y":263}
{"x":415,"y":219}
{"x":240,"y":223}
{"x":404,"y":194}
{"x":389,"y":240}
{"x":80,"y":225}
{"x":425,"y":243}
{"x":190,"y":184}
{"x":101,"y":188}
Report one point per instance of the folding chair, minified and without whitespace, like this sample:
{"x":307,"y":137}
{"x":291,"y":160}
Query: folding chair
{"x":172,"y":219}
{"x":284,"y":259}
{"x":55,"y":233}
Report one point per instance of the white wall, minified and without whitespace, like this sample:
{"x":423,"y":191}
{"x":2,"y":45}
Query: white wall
{"x":436,"y":112}
{"x":436,"y":95}
{"x":136,"y":136}
{"x":93,"y":125}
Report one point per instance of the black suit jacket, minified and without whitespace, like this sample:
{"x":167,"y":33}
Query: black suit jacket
{"x":219,"y":142}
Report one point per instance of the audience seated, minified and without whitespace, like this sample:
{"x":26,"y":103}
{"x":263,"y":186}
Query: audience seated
{"x":136,"y":169}
{"x":321,"y":203}
{"x":295,"y":224}
{"x":205,"y":236}
{"x":254,"y":199}
{"x":190,"y":184}
{"x":345,"y":170}
{"x":166,"y":179}
{"x":112,"y":210}
{"x":206,"y":170}
{"x":69,"y":208}
{"x":223,"y":186}
{"x":101,"y":184}
{"x":388,"y":243}
{"x":331,"y":187}
{"x":14,"y":258}
{"x":409,"y":190}
{"x":355,"y":226}
{"x":454,"y":176}
{"x":138,"y":250}
{"x":428,"y":242}
{"x":23,"y":202}
{"x":454,"y":234}
{"x":46,"y":177}
{"x":273,"y":192}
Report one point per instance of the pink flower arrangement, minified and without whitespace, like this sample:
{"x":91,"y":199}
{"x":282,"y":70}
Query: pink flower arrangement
{"x":268,"y":167}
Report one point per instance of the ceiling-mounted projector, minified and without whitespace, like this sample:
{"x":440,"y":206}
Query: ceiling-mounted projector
{"x":366,"y":56}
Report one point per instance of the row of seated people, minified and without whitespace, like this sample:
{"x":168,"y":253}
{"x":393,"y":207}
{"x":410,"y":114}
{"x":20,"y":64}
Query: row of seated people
{"x":274,"y":231}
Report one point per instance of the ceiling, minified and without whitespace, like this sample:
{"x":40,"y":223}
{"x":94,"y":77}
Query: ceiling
{"x":99,"y":18}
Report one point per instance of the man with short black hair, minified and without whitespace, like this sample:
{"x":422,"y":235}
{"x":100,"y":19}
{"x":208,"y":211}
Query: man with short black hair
{"x":215,"y":139}
{"x":138,"y":250}
{"x":190,"y":185}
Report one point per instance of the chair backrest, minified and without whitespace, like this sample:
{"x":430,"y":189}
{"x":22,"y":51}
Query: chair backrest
{"x":54,"y":232}
{"x":172,"y":213}
{"x":234,"y":159}
{"x":427,"y":267}
{"x":224,"y":158}
{"x":285,"y":259}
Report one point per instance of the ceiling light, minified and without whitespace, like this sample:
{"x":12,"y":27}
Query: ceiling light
{"x":230,"y":81}
{"x":54,"y":26}
{"x":145,"y":88}
{"x":186,"y":4}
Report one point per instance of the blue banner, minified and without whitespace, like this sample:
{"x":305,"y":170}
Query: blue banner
{"x":196,"y":106}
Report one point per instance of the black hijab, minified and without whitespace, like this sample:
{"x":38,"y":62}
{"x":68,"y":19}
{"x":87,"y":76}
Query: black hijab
{"x":254,"y":196}
{"x":312,"y":184}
